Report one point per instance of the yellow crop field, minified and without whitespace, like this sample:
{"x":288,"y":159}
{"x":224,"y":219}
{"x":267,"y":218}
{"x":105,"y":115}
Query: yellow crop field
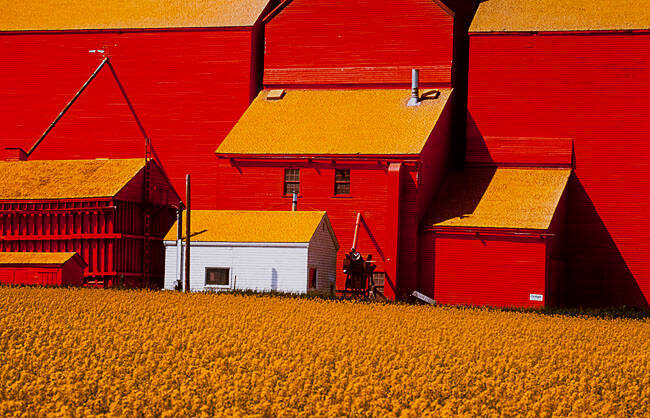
{"x":80,"y":351}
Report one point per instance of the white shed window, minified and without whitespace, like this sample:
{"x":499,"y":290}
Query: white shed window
{"x":217,"y":276}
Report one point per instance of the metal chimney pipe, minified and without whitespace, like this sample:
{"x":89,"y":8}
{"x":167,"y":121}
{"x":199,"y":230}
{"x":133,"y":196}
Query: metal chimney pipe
{"x":415,"y":88}
{"x":294,"y":202}
{"x":179,"y":244}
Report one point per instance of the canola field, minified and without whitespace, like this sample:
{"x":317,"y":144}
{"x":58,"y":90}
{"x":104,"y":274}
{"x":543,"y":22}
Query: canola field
{"x":74,"y":352}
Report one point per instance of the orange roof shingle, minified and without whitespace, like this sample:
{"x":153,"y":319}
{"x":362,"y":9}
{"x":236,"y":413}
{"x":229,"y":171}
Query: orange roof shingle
{"x":127,"y":14}
{"x":560,"y":15}
{"x":499,"y":198}
{"x":36,"y":258}
{"x":65,"y":179}
{"x":343,"y":122}
{"x":253,"y":226}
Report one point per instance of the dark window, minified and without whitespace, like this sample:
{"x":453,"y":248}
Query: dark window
{"x":342,"y":182}
{"x":291,"y":181}
{"x":217,"y":277}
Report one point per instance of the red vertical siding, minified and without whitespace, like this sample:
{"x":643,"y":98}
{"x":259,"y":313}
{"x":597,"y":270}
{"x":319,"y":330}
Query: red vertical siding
{"x":488,"y":270}
{"x":593,"y":88}
{"x":188,"y":88}
{"x":359,"y":42}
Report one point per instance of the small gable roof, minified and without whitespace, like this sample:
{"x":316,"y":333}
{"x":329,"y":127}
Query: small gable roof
{"x":560,"y":15}
{"x":39,"y":258}
{"x":499,"y":198}
{"x":253,"y":226}
{"x":336,"y":122}
{"x":43,"y":15}
{"x":66,"y":179}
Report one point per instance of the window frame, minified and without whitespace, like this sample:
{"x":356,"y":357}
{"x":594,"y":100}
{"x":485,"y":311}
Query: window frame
{"x":347,"y":182}
{"x":220,"y":286}
{"x":292,"y":182}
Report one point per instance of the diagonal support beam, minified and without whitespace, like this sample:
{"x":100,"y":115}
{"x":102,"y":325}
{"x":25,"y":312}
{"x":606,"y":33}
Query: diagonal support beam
{"x":67,"y":106}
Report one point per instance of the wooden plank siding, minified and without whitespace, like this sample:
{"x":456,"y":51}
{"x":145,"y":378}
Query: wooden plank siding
{"x":593,"y":88}
{"x":188,"y":88}
{"x":360,"y":42}
{"x":485,"y":270}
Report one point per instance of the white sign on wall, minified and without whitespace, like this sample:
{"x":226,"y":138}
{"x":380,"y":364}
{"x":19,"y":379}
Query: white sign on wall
{"x":536,"y":297}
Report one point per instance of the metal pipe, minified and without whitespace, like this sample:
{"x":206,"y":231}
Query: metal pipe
{"x":294,"y":202}
{"x":356,"y":231}
{"x":415,"y":88}
{"x":179,"y":244}
{"x":70,"y":103}
{"x":187,"y":232}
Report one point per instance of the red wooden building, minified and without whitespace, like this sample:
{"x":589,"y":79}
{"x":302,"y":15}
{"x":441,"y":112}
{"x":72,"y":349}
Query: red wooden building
{"x":346,"y":152}
{"x":494,"y":237}
{"x":580,"y":70}
{"x":113,"y":213}
{"x":43,"y":269}
{"x":188,"y":69}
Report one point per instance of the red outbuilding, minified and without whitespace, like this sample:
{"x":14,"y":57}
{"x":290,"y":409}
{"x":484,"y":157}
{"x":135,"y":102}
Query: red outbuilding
{"x":42,"y":269}
{"x":347,"y":152}
{"x":113,"y":213}
{"x":181,"y":73}
{"x":542,"y":71}
{"x":494,"y":237}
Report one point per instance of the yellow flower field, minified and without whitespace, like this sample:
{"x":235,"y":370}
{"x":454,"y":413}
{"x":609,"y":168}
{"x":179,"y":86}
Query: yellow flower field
{"x":81,"y":351}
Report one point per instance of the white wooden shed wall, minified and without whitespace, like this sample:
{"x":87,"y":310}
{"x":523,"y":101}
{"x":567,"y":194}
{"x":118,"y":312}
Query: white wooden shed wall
{"x":282,"y":267}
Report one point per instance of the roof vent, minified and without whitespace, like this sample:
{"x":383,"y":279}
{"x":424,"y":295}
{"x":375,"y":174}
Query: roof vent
{"x":275,"y":94}
{"x":415,"y":91}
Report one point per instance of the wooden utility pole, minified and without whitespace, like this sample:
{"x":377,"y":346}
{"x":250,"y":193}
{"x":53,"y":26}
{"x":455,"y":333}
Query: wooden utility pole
{"x":188,"y":210}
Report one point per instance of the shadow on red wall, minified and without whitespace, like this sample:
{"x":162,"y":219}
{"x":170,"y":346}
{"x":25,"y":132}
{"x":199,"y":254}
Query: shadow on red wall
{"x":597,"y":274}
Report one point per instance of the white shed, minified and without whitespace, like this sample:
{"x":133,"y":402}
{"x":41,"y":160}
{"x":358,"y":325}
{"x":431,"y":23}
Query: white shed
{"x":258,"y":250}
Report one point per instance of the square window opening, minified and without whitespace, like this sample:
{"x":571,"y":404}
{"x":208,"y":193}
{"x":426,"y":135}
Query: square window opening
{"x":291,"y":181}
{"x":342,"y":182}
{"x":217,"y":276}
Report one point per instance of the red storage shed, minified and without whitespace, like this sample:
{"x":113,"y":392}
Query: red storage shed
{"x":494,"y":237}
{"x":573,"y":69}
{"x":344,"y":152}
{"x":43,"y":269}
{"x":113,"y":213}
{"x":188,"y":68}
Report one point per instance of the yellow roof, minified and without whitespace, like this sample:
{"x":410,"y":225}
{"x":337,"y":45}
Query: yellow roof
{"x":65,"y":179}
{"x":252,"y":226}
{"x":499,"y":198}
{"x":561,"y":15}
{"x":35,"y":258}
{"x":19,"y":15}
{"x":326,"y":122}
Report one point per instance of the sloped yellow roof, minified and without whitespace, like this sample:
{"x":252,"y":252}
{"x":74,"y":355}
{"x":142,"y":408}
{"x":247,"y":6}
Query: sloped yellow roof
{"x":35,"y":258}
{"x":561,"y":15}
{"x":19,"y":15}
{"x":251,"y":226}
{"x":325,"y":122}
{"x":499,"y":198}
{"x":65,"y":179}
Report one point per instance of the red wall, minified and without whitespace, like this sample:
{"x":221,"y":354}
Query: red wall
{"x":488,"y":270}
{"x":68,"y":274}
{"x":359,"y":42}
{"x":188,"y":88}
{"x":593,"y":88}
